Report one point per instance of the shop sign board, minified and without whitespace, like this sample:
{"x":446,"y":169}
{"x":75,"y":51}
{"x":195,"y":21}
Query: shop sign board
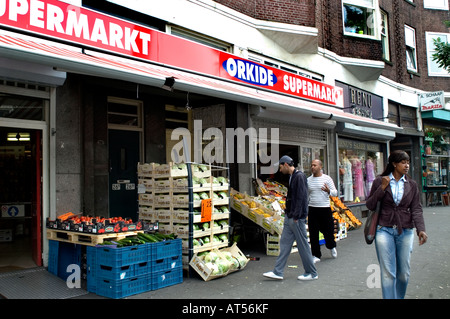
{"x":431,"y":101}
{"x":88,"y":28}
{"x":361,"y":103}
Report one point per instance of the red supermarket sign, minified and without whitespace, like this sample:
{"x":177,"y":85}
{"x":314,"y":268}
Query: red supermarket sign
{"x":92,"y":29}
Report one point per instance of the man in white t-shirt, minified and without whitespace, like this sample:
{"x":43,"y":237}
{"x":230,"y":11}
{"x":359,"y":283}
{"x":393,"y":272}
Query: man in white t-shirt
{"x":320,"y":217}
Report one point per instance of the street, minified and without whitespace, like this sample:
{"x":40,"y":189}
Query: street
{"x":353,"y":275}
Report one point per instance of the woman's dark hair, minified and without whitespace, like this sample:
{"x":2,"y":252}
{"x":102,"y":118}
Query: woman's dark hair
{"x":395,"y":157}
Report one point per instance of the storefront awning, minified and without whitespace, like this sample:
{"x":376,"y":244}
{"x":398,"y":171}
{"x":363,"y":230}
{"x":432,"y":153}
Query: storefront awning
{"x":76,"y":60}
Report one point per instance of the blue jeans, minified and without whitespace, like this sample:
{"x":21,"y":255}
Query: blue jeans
{"x":295,"y":230}
{"x":394,"y":255}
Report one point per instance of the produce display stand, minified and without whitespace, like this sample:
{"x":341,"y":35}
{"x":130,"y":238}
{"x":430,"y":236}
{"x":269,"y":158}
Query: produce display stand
{"x":116,"y":264}
{"x":266,"y":210}
{"x":190,"y":200}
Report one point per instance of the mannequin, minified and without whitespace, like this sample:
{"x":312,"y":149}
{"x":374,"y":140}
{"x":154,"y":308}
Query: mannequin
{"x":358,"y":178}
{"x":347,"y":179}
{"x":370,"y":175}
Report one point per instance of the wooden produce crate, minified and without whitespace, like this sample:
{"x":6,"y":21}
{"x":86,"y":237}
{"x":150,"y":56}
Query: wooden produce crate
{"x":86,"y":238}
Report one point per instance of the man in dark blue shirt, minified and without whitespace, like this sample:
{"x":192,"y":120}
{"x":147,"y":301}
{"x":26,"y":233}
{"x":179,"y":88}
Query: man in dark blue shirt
{"x":294,"y":223}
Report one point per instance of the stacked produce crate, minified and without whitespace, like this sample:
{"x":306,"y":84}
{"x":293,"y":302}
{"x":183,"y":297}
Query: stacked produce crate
{"x":165,"y":196}
{"x":142,"y":265}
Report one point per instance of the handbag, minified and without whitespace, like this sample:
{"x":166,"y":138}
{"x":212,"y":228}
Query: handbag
{"x":370,"y":228}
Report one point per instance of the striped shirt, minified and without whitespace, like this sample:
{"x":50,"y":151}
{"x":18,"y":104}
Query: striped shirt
{"x":318,"y":197}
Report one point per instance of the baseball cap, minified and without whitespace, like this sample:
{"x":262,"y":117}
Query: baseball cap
{"x":285,"y":159}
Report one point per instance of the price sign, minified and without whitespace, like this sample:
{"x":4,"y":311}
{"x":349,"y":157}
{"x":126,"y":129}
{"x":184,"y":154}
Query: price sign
{"x":206,"y":210}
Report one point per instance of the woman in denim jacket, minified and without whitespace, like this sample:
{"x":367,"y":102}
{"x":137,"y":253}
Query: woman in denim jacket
{"x":401,"y":211}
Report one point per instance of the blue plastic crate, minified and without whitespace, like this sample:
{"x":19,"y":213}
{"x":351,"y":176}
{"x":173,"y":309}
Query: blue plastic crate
{"x":117,"y":289}
{"x":61,"y":255}
{"x":118,"y":257}
{"x":165,"y":278}
{"x":165,"y":249}
{"x":96,"y":271}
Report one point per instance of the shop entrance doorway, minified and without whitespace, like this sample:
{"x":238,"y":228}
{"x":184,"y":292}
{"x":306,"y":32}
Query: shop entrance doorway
{"x":123,"y":159}
{"x":20,"y":198}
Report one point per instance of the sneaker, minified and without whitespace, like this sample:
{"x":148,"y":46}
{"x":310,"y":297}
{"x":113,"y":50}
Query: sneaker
{"x":334,"y":252}
{"x":305,"y":277}
{"x":270,"y":274}
{"x":315,"y":259}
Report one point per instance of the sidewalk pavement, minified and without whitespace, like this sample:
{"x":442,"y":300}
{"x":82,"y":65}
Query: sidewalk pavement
{"x":350,"y":276}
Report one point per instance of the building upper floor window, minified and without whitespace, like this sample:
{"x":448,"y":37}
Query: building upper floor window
{"x":360,"y":18}
{"x":411,"y":53}
{"x":436,"y":4}
{"x":384,"y":32}
{"x":199,"y":38}
{"x":433,"y":67}
{"x":284,"y":66}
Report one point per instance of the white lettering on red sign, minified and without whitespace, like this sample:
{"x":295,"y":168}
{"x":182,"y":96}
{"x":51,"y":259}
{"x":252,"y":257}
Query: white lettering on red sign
{"x":69,"y":20}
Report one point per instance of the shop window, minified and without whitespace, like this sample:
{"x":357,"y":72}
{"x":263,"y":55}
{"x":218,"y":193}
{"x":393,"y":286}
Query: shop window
{"x":408,"y":117}
{"x":436,"y":156}
{"x":359,"y":163}
{"x":124,"y":114}
{"x":359,"y":17}
{"x":411,"y":55}
{"x":19,"y":107}
{"x":303,"y":155}
{"x":384,"y":32}
{"x":433,"y":68}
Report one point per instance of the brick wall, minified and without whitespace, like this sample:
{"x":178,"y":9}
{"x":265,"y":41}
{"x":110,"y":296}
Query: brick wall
{"x":298,"y":12}
{"x":401,"y":13}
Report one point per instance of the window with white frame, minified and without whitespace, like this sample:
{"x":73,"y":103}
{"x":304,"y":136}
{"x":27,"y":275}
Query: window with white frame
{"x":411,"y":53}
{"x":384,"y":33}
{"x":436,"y":4}
{"x":359,"y":18}
{"x":433,"y":67}
{"x":199,"y":38}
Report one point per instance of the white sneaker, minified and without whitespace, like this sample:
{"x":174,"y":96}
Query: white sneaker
{"x":334,"y":252}
{"x":270,"y":274}
{"x":315,"y":259}
{"x":305,"y":277}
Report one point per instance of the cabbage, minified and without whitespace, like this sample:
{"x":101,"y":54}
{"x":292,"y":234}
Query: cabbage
{"x":196,"y":227}
{"x":215,"y":195}
{"x":224,"y":209}
{"x":222,"y":180}
{"x":203,"y":168}
{"x":223,"y":265}
{"x":215,"y":238}
{"x":242,"y":260}
{"x":195,"y":242}
{"x":205,"y":225}
{"x":196,"y":196}
{"x":223,"y":237}
{"x":223,"y":195}
{"x":206,"y":239}
{"x":223,"y":223}
{"x":213,"y":267}
{"x":204,"y":195}
{"x":211,"y":257}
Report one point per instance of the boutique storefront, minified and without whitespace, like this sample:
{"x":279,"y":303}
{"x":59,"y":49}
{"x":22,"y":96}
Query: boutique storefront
{"x":436,"y":148}
{"x":362,"y":151}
